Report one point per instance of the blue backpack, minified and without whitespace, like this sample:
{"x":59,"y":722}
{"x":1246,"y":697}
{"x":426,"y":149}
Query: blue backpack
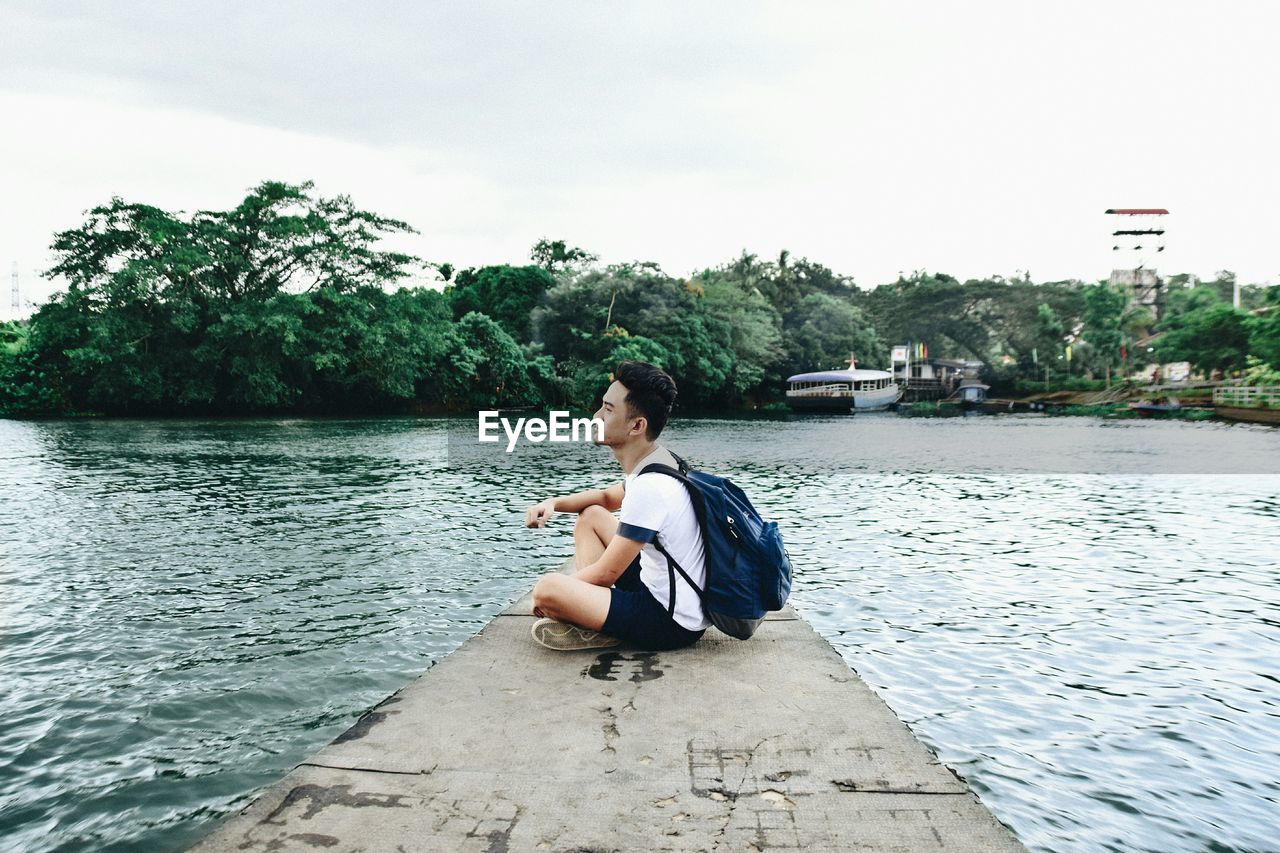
{"x":748,"y":569}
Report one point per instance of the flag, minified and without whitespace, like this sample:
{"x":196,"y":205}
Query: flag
{"x":1068,"y":352}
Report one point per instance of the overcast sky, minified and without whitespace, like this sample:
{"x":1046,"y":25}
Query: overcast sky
{"x":971,"y":138}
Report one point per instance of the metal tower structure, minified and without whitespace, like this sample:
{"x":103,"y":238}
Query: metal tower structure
{"x":1137,"y":237}
{"x":15,"y":300}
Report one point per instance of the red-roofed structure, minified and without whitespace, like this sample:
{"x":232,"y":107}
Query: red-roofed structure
{"x":1138,"y":211}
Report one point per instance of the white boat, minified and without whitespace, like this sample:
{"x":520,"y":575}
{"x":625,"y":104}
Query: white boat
{"x":851,"y":390}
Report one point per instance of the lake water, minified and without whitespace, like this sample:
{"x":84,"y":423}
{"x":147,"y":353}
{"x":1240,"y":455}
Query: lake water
{"x":1081,"y":617}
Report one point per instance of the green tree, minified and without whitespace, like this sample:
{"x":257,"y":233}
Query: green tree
{"x":1223,"y":284}
{"x":1264,"y":332}
{"x":785,"y":282}
{"x":934,"y":308}
{"x":555,"y":256}
{"x":371,"y":350}
{"x":488,"y":366}
{"x":1212,"y":338}
{"x":255,"y":347}
{"x":1259,"y":372}
{"x":506,"y":294}
{"x":749,"y":326}
{"x":1049,"y":341}
{"x":165,"y":312}
{"x":588,"y":381}
{"x":581,"y":322}
{"x":995,"y":320}
{"x":280,"y":237}
{"x":23,"y":387}
{"x":824,"y":330}
{"x":1181,"y":301}
{"x":1104,"y":324}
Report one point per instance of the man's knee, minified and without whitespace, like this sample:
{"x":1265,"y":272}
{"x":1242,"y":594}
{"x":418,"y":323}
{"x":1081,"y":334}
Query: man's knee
{"x":593,"y":516}
{"x":546,"y":592}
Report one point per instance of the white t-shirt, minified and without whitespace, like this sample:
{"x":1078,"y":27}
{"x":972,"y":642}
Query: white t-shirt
{"x":659,"y":505}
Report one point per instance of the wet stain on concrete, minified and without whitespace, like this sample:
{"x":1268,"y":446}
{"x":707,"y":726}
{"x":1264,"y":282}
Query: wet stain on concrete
{"x":499,"y":838}
{"x":316,"y":840}
{"x":320,"y":797}
{"x":365,"y":724}
{"x":610,"y":728}
{"x":610,"y":665}
{"x":709,"y":766}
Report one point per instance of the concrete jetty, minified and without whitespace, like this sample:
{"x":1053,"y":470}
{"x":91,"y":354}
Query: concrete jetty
{"x":727,"y":745}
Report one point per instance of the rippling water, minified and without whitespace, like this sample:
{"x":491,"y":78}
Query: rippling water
{"x":190,"y":608}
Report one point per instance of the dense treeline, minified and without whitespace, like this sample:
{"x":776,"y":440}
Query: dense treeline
{"x":288,"y":304}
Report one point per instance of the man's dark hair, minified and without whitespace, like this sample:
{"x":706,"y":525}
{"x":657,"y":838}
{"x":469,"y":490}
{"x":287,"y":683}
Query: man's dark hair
{"x":650,"y":393}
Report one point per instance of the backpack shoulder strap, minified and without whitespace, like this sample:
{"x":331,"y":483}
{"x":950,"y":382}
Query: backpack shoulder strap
{"x":699,"y":512}
{"x":672,"y":568}
{"x":682,"y":467}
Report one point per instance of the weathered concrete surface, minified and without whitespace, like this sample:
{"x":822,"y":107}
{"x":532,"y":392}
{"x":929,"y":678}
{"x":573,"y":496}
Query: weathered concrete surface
{"x":505,"y":745}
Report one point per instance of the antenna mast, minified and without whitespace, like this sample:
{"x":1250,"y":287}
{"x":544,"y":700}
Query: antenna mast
{"x":1137,"y":238}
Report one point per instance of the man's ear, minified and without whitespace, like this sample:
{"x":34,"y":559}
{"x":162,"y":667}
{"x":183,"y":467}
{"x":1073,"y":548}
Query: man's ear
{"x":642,"y":424}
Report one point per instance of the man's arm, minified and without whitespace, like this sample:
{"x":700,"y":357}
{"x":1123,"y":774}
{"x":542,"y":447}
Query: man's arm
{"x":612,"y":563}
{"x":539,"y":514}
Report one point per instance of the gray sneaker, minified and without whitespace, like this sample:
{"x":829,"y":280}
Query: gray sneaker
{"x":564,"y":637}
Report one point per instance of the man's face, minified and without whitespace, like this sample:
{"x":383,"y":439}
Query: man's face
{"x":620,"y":426}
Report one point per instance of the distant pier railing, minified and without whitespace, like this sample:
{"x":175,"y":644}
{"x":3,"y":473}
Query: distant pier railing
{"x":921,"y":388}
{"x":1247,"y":396}
{"x":835,"y":389}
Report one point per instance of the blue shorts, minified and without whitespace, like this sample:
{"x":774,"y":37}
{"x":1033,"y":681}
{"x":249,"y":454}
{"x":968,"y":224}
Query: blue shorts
{"x":636,"y":617}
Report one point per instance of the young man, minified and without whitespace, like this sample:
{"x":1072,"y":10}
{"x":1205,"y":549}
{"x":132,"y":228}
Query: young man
{"x":620,"y":591}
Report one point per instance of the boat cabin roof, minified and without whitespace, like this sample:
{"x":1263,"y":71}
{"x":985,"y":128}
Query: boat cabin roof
{"x":840,"y":376}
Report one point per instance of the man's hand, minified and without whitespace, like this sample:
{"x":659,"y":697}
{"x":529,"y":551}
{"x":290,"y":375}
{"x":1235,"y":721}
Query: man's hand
{"x":539,"y":514}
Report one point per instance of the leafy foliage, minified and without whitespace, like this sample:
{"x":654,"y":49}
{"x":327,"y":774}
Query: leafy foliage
{"x":24,"y":387}
{"x":1264,"y":330}
{"x":488,"y":365}
{"x":507,"y":294}
{"x":1258,"y":372}
{"x":555,"y":256}
{"x":1104,"y":323}
{"x":1212,"y":338}
{"x":288,"y":303}
{"x":278,"y":304}
{"x":825,"y":331}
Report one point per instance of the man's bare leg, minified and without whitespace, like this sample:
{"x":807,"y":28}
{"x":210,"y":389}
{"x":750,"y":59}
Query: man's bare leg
{"x":595,"y":528}
{"x":567,"y":599}
{"x":570,"y":599}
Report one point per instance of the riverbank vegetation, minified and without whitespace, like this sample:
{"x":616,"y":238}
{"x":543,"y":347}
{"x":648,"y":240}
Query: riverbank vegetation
{"x":289,"y":303}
